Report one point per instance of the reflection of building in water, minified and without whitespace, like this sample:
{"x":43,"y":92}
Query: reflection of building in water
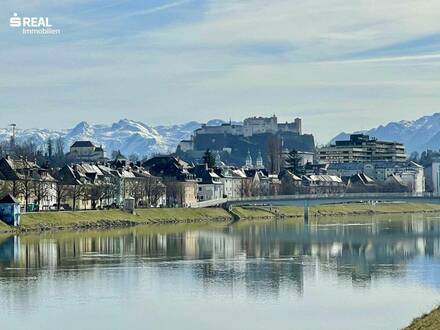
{"x":263,"y":258}
{"x":210,"y":244}
{"x":9,"y":250}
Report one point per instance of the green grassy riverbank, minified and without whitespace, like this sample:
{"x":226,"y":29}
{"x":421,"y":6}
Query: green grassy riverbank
{"x":429,"y":321}
{"x":101,"y":219}
{"x":266,"y":212}
{"x":117,"y":218}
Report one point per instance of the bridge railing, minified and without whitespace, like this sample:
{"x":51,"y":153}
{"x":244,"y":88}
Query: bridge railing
{"x":209,"y":203}
{"x":342,"y":196}
{"x":367,"y":196}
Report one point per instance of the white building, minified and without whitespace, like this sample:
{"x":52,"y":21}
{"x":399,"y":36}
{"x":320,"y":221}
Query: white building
{"x":209,"y":191}
{"x":85,"y":151}
{"x":209,"y":184}
{"x":432,"y":174}
{"x":232,"y":180}
{"x":409,"y":173}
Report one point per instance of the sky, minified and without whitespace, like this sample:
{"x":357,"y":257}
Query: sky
{"x":339,"y":65}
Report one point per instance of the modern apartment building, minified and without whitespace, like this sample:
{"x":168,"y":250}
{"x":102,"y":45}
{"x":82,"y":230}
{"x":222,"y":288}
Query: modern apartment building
{"x":361,"y":148}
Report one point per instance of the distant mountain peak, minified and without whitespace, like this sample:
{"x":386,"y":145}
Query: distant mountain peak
{"x":417,"y":135}
{"x":128,"y":136}
{"x":81,"y":126}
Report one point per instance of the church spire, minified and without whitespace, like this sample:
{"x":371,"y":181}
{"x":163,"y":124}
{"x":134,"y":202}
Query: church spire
{"x":249,"y":159}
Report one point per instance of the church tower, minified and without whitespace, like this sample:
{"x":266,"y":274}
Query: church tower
{"x":259,"y":161}
{"x":249,"y":159}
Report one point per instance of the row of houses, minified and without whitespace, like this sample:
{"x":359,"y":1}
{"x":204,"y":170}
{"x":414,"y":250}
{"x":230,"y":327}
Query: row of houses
{"x":157,"y":182}
{"x":79,"y":186}
{"x":340,"y":178}
{"x":187,"y":184}
{"x":395,"y":176}
{"x":172,"y":182}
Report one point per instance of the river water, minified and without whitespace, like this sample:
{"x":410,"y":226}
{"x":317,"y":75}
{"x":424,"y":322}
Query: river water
{"x":351,"y":273}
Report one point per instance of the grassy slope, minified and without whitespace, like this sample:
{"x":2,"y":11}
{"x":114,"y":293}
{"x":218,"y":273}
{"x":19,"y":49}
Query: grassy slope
{"x":357,"y":208}
{"x":70,"y":219}
{"x":4,"y":227}
{"x":430,"y":321}
{"x":248,"y":212}
{"x":251,"y":212}
{"x":109,"y":218}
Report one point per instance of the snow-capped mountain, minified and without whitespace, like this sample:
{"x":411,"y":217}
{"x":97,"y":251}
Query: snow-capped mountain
{"x":128,"y":136}
{"x":417,"y":135}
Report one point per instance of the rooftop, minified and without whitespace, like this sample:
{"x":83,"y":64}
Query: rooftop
{"x":8,"y":199}
{"x":82,"y":144}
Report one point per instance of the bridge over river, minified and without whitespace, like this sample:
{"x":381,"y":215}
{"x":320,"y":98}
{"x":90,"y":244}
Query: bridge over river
{"x":335,"y":199}
{"x":311,"y":200}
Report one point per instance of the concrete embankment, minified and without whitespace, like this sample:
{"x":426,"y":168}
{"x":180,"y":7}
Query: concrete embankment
{"x":67,"y":220}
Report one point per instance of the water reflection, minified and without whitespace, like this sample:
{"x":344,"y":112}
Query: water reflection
{"x":262,"y":260}
{"x":379,"y":247}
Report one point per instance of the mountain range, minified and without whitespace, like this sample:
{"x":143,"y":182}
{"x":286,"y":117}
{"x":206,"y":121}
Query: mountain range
{"x":135,"y":137}
{"x":417,"y":135}
{"x":128,"y":136}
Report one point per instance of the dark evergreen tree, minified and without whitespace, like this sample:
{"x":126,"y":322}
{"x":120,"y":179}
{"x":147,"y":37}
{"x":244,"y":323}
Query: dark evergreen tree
{"x":209,"y":158}
{"x":117,"y":154}
{"x":49,"y":148}
{"x":274,"y":153}
{"x":293,"y":162}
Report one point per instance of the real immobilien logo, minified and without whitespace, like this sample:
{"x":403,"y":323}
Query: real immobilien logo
{"x":32,"y":25}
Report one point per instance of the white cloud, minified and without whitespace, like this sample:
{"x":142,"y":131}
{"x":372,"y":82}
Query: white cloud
{"x":233,"y":58}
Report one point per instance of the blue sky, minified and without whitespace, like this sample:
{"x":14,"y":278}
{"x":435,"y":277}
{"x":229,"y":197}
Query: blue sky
{"x":340,"y":65}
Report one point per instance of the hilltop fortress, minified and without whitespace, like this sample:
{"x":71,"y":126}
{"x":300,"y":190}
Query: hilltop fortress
{"x":232,"y":142}
{"x":252,"y":126}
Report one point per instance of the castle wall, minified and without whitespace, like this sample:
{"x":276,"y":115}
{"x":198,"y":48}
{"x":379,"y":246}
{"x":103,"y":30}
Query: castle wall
{"x":259,"y":125}
{"x":252,"y":126}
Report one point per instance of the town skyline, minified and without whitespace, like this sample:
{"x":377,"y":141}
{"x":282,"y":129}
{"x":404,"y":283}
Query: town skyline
{"x":169,"y":162}
{"x":306,"y":126}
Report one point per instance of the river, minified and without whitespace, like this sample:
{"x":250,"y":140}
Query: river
{"x":375,"y":272}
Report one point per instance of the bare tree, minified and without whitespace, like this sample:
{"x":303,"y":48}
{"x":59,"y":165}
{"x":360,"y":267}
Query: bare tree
{"x":154,"y":190}
{"x":62,"y":192}
{"x":246,"y":188}
{"x":136,"y":188}
{"x":41,"y":190}
{"x":24,"y":187}
{"x":175,"y":193}
{"x":109,"y":193}
{"x":172,"y":192}
{"x":59,"y":147}
{"x":274,"y":153}
{"x":76,"y":192}
{"x":96,"y":193}
{"x":5,"y":188}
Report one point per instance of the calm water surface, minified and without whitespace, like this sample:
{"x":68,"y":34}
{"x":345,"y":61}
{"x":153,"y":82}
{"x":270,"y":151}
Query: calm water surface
{"x":359,"y":273}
